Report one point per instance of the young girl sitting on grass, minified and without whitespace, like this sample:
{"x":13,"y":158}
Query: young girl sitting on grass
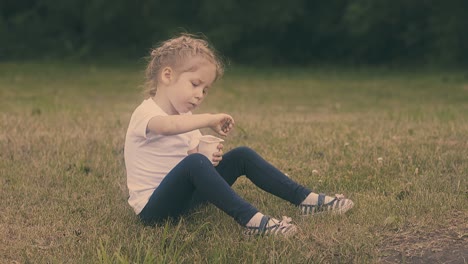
{"x":166,"y":176}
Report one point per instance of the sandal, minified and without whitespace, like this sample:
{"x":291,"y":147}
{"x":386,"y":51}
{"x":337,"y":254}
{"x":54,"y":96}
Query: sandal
{"x":283,"y":227}
{"x":339,"y":205}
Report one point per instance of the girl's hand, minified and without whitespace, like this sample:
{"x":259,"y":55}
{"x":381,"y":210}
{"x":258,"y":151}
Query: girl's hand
{"x":222,"y":124}
{"x":218,"y":156}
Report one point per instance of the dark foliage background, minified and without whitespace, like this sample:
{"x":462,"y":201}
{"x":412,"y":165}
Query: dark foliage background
{"x":292,"y":31}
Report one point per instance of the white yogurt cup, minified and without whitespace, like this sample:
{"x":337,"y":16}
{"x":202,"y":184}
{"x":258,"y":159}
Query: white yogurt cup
{"x":209,"y":145}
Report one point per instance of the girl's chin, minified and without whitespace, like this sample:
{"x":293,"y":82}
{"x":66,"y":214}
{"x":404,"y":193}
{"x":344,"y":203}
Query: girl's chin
{"x":184,"y":110}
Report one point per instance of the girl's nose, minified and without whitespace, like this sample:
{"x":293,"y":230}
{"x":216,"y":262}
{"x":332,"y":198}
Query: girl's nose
{"x":199,"y":95}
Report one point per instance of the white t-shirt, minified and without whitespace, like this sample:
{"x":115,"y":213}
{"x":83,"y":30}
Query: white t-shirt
{"x":149,"y":157}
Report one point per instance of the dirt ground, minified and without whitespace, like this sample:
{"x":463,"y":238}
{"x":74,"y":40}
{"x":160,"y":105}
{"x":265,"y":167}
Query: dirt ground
{"x":447,"y":244}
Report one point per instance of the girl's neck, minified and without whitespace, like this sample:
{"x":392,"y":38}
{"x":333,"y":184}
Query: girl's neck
{"x":164,"y":104}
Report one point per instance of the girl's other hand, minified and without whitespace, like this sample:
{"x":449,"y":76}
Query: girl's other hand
{"x":222,"y":124}
{"x":218,"y":156}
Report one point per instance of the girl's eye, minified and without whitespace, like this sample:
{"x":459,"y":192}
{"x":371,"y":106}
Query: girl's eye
{"x":194,"y":84}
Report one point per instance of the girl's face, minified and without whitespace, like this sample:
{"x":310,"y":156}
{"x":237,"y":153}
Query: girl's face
{"x":189,"y":87}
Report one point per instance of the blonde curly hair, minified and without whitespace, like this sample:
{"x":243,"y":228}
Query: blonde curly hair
{"x":174,"y":53}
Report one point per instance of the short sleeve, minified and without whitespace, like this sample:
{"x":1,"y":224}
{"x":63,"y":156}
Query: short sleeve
{"x":142,"y":124}
{"x":142,"y":116}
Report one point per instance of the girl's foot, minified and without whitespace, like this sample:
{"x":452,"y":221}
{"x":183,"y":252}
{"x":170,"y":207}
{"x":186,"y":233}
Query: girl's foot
{"x":271,"y":226}
{"x":317,"y":204}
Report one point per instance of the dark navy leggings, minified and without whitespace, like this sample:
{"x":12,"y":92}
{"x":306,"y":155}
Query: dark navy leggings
{"x":195,"y":180}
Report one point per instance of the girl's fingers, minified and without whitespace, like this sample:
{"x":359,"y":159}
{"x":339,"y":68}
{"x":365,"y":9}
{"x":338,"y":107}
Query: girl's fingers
{"x":217,"y":160}
{"x":218,"y":156}
{"x":222,"y":133}
{"x":227,"y":124}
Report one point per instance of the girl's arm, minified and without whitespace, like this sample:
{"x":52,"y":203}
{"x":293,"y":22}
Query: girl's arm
{"x":178,"y":124}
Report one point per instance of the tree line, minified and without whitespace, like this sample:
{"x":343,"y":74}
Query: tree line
{"x":292,"y":31}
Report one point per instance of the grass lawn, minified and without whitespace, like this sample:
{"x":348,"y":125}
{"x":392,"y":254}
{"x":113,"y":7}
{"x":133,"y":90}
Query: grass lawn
{"x":393,"y":140}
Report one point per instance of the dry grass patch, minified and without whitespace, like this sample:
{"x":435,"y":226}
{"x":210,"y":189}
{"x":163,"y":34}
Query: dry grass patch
{"x":416,"y":242}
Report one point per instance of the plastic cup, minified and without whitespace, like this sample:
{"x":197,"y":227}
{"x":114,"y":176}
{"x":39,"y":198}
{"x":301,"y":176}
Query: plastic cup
{"x":209,"y":145}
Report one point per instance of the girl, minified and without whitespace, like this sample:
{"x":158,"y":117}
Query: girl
{"x":166,"y":176}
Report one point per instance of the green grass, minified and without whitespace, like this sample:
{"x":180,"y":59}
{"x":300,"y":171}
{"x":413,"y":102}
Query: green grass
{"x":62,"y":175}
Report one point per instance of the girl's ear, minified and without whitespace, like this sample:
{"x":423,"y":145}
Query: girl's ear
{"x":167,"y":75}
